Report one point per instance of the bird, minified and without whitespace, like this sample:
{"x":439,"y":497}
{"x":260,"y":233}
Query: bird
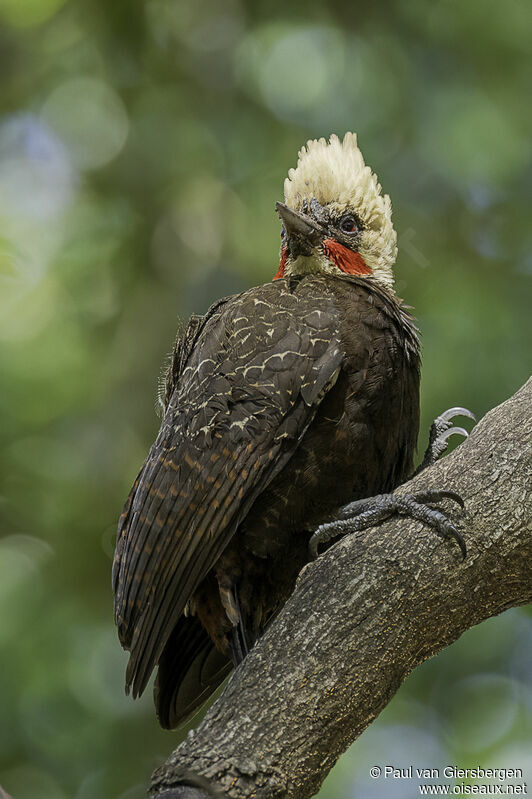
{"x":290,"y":413}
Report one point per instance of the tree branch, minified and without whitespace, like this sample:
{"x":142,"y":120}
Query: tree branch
{"x":362,"y":616}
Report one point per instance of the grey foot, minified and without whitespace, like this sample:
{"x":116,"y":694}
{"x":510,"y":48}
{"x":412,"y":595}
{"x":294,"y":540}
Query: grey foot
{"x":441,"y":430}
{"x":367,"y":512}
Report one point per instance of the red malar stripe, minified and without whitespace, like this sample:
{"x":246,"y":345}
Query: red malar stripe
{"x":284,"y":256}
{"x":345,"y":259}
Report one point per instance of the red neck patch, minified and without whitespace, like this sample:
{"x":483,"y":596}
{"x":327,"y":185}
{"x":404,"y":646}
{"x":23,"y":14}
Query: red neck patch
{"x":284,"y":256}
{"x":345,"y":259}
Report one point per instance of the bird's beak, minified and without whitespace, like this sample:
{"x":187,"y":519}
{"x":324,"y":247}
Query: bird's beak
{"x":302,"y":232}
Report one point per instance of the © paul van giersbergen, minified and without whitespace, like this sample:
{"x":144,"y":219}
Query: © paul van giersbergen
{"x":281,"y":405}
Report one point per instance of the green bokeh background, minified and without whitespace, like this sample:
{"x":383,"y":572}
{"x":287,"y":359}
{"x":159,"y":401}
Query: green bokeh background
{"x":142,"y":149}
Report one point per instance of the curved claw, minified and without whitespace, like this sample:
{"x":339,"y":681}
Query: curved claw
{"x":441,"y":430}
{"x":455,"y":497}
{"x":313,"y":546}
{"x":450,"y":413}
{"x":439,"y":522}
{"x":452,"y":532}
{"x":453,"y":431}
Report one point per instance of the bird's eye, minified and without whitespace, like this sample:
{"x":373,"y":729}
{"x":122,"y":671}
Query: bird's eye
{"x":348,"y":224}
{"x":283,"y":234}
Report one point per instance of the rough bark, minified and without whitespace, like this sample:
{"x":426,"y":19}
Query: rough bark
{"x":362,"y":616}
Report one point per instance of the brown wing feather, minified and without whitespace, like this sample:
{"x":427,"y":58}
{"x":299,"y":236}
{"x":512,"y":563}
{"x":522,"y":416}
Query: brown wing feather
{"x":243,"y":396}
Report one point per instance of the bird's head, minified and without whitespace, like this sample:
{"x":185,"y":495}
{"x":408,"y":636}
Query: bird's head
{"x":334,"y":217}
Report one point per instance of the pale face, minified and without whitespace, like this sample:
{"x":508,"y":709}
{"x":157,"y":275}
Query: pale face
{"x":331,"y":244}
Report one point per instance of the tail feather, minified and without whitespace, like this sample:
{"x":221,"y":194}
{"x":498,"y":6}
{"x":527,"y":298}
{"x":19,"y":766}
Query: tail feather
{"x":190,"y":669}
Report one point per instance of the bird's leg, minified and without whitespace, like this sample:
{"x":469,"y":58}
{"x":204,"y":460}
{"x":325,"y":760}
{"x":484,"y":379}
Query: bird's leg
{"x":441,"y":430}
{"x":367,"y":512}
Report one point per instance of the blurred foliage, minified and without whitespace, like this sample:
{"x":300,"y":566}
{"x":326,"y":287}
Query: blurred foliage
{"x":142,"y":148}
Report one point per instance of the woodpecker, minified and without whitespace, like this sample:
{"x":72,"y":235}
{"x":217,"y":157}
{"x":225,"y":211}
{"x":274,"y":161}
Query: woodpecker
{"x":289,"y":408}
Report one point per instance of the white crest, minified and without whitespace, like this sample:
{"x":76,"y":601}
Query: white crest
{"x":335,"y":174}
